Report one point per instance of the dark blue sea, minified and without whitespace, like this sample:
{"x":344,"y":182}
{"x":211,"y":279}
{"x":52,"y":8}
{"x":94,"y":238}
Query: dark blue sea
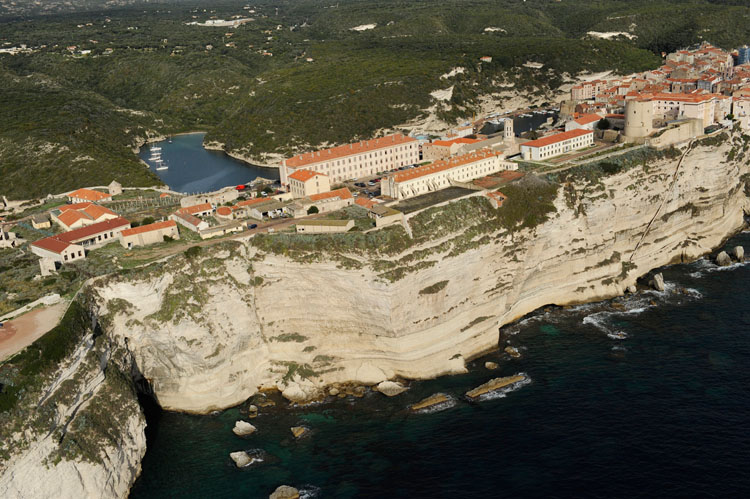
{"x":640,"y":396}
{"x":194,"y":169}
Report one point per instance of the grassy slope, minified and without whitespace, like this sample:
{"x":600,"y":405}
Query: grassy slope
{"x":358,"y":83}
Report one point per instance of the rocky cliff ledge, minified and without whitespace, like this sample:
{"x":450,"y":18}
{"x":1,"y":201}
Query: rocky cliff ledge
{"x":209,"y":331}
{"x":70,"y":422}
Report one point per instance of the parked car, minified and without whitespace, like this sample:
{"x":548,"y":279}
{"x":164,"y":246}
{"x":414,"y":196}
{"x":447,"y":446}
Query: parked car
{"x":371,"y":183}
{"x":252,"y":226}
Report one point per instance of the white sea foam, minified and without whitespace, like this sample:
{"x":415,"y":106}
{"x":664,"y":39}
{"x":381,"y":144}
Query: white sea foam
{"x":309,"y":492}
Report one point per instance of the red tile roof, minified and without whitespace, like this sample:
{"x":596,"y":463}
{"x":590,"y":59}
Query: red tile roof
{"x":446,"y":164}
{"x":365,"y":203}
{"x":342,"y":193}
{"x":59,"y":242}
{"x":348,"y":150}
{"x":70,"y":217}
{"x":51,"y":244}
{"x":304,"y":175}
{"x":559,"y":137}
{"x":76,"y":235}
{"x":191,"y":219}
{"x":149,"y":228}
{"x":448,"y":143}
{"x":89,"y":195}
{"x":588,"y":118}
{"x":197,"y":208}
{"x":224,"y":211}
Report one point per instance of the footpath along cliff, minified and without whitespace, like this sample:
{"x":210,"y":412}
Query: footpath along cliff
{"x":207,"y":329}
{"x":300,"y":312}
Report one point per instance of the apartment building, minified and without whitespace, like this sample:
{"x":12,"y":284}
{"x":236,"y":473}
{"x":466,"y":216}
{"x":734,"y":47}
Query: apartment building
{"x":442,"y":174}
{"x":355,"y":160}
{"x":555,"y":145}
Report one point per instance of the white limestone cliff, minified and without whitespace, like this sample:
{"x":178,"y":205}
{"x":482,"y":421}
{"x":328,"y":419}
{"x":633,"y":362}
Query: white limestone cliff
{"x":208,"y":333}
{"x":81,"y":434}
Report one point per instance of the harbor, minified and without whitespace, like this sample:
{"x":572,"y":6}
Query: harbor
{"x":186,"y":166}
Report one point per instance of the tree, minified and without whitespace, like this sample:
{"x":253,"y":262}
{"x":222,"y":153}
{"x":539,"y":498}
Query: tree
{"x":313,"y":209}
{"x":604,"y":124}
{"x":147,"y":221}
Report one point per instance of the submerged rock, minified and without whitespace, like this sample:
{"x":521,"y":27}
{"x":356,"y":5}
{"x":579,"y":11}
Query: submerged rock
{"x":739,"y":253}
{"x":494,"y":384}
{"x":242,"y":458}
{"x":512,"y":351}
{"x":391,"y":388}
{"x":252,"y":411}
{"x":722,"y":259}
{"x":299,"y":431}
{"x":657,"y":282}
{"x":284,"y":492}
{"x":431,"y":401}
{"x":491,"y":365}
{"x":243,"y":428}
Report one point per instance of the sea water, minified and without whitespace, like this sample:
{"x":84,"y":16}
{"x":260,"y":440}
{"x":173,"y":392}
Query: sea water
{"x":642,"y":396}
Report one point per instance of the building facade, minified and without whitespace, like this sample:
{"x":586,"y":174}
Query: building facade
{"x":324,"y":226}
{"x":443,"y":174}
{"x":307,"y":183}
{"x":555,"y":145}
{"x":355,"y":160}
{"x":149,"y":234}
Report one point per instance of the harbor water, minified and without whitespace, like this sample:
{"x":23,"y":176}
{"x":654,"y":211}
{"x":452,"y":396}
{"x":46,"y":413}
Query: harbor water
{"x":191,"y":168}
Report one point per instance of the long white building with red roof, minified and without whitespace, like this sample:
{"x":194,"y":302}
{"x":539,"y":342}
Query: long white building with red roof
{"x":557,"y":144}
{"x":443,"y":174}
{"x":355,"y":160}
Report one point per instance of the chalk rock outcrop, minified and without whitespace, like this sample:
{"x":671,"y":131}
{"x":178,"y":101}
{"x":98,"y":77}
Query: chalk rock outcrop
{"x":723,"y":259}
{"x":391,"y":388}
{"x":284,"y":492}
{"x":657,"y":282}
{"x":241,"y":458}
{"x":243,"y":429}
{"x":739,"y":253}
{"x":491,"y":365}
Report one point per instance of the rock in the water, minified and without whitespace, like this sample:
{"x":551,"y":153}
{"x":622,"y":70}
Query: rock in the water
{"x":333,"y":391}
{"x":512,"y":351}
{"x":722,"y":259}
{"x":252,"y":411}
{"x":359,"y":391}
{"x":494,"y":384}
{"x":241,"y":458}
{"x":739,"y":253}
{"x":491,"y":365}
{"x":632,"y":289}
{"x":391,"y":388}
{"x":285,"y":492}
{"x":299,"y":431}
{"x":657,"y":282}
{"x":431,"y":401}
{"x":243,"y":428}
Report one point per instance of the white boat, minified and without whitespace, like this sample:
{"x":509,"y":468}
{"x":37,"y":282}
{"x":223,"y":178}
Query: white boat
{"x":155,"y":157}
{"x":165,"y":167}
{"x":155,"y":149}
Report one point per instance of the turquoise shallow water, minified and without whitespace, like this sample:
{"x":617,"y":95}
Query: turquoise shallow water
{"x":195,"y":169}
{"x":648,"y":399}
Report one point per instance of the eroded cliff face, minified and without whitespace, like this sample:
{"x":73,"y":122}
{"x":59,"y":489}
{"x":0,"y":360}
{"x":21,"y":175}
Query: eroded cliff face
{"x":208,"y":332}
{"x":75,"y":430}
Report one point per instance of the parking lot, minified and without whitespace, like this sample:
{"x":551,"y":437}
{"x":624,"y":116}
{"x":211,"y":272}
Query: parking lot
{"x":370,"y":186}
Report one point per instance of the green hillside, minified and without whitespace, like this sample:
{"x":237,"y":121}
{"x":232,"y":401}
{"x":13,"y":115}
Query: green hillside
{"x":73,"y":119}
